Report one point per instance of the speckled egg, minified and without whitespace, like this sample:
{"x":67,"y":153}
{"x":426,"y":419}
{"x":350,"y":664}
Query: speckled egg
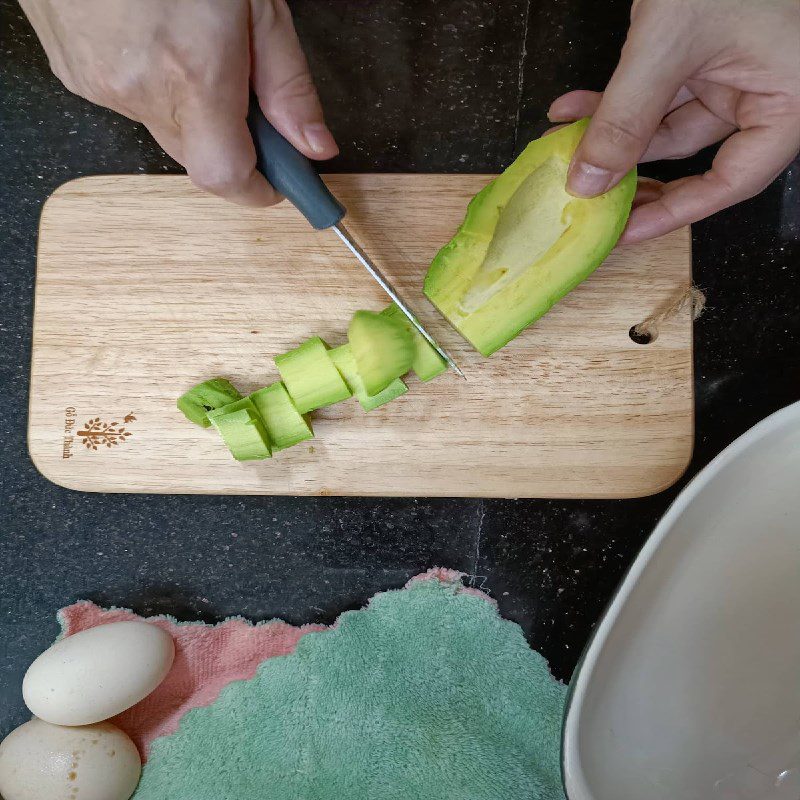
{"x":40,"y":761}
{"x":98,"y":673}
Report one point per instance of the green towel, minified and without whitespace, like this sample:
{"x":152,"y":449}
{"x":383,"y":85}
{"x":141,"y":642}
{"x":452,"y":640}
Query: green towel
{"x":427,"y":694}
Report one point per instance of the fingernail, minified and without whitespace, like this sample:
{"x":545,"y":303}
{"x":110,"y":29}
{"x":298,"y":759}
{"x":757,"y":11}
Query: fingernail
{"x":587,"y":180}
{"x":319,"y":138}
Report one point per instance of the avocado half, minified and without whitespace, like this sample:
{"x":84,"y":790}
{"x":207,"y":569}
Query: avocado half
{"x":525,"y":243}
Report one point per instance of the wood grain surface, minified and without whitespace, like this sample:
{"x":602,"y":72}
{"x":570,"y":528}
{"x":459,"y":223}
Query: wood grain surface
{"x":146,"y":286}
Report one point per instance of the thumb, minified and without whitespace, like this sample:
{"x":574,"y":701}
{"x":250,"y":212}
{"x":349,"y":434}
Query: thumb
{"x":652,"y":67}
{"x":283,"y":83}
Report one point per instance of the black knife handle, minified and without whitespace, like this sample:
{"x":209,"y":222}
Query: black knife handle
{"x":291,"y":173}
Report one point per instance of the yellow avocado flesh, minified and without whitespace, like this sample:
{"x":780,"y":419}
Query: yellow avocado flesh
{"x":530,"y":223}
{"x":524,"y":244}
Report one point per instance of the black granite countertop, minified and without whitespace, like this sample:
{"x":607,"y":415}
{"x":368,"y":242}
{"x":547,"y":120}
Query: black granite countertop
{"x":408,"y":85}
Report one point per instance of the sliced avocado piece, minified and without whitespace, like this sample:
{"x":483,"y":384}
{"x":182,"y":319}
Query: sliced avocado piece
{"x":525,"y":243}
{"x":242,"y":429}
{"x":285,"y":425}
{"x":205,"y":397}
{"x":310,"y":376}
{"x":346,"y":364}
{"x":427,"y":363}
{"x":382,"y":347}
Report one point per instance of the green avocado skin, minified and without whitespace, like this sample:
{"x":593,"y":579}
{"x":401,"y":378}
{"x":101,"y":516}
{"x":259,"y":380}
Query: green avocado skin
{"x":596,"y":225}
{"x":208,"y":395}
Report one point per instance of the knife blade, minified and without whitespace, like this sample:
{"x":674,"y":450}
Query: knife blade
{"x":293,"y":175}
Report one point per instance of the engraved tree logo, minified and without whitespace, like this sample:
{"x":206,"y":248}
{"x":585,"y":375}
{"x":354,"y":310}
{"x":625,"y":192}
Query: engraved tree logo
{"x":97,"y":434}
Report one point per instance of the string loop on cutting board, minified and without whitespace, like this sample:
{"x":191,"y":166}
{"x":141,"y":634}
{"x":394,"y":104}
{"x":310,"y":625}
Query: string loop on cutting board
{"x":648,"y":329}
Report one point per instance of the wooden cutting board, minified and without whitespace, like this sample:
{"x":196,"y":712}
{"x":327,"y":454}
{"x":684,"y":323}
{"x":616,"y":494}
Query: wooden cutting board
{"x":146,"y":286}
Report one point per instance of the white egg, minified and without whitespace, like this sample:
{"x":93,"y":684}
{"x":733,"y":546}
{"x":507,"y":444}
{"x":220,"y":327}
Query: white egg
{"x":40,"y":761}
{"x":97,"y":673}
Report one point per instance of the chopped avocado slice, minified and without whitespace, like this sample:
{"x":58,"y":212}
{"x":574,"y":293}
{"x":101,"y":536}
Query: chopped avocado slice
{"x":242,"y":429}
{"x":346,"y":364}
{"x":525,"y":243}
{"x":205,"y":397}
{"x":310,"y":376}
{"x":285,"y":425}
{"x":382,"y":347}
{"x":427,"y":363}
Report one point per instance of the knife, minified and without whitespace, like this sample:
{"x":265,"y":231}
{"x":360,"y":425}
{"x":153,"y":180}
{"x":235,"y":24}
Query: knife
{"x":293,"y":175}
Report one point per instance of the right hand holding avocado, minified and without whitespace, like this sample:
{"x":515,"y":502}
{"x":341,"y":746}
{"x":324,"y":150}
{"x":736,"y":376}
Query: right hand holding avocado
{"x":692,"y":73}
{"x":184,"y":69}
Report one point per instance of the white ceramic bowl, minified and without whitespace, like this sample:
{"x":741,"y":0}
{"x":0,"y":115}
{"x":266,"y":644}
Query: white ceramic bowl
{"x":690,"y":687}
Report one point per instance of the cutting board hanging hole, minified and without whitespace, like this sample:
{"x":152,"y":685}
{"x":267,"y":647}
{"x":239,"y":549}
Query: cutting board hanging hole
{"x":648,"y":329}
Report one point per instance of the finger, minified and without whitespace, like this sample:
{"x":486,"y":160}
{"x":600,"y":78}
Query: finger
{"x":283,"y":83}
{"x":722,"y":101}
{"x":574,"y":105}
{"x":745,"y":164}
{"x":683,"y":96}
{"x":652,"y":68}
{"x":647,"y":190}
{"x":582,"y":103}
{"x":219,"y":155}
{"x":686,"y":131}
